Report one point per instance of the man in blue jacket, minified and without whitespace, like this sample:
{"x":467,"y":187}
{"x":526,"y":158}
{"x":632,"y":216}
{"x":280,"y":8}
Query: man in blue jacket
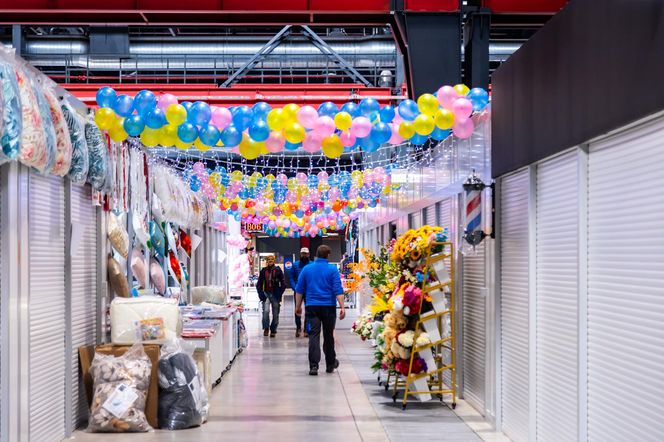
{"x":321,"y":284}
{"x":270,"y":287}
{"x":293,"y":275}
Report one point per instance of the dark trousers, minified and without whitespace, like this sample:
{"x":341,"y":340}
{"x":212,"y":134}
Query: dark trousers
{"x":315,"y":317}
{"x":298,"y":318}
{"x":274,"y":303}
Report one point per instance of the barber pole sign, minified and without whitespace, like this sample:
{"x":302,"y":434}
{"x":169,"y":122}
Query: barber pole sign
{"x":473,"y":231}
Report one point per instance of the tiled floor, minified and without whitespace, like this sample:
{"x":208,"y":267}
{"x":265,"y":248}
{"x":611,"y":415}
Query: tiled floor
{"x":268,"y":395}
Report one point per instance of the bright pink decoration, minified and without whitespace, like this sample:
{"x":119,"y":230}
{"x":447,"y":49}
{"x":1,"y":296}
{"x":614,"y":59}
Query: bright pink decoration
{"x":324,"y":126}
{"x":446,"y":96}
{"x":464,"y":128}
{"x":166,"y":100}
{"x":276,"y":142}
{"x":221,"y":117}
{"x":361,"y":127}
{"x":307,"y":117}
{"x":462,"y":108}
{"x":347,"y":139}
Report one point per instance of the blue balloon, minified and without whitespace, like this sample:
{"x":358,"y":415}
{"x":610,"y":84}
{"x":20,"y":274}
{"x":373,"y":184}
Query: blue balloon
{"x":221,"y":170}
{"x":230,"y":136}
{"x":259,"y":130}
{"x":292,"y":146}
{"x":312,"y":181}
{"x":387,"y":114}
{"x":261,"y":109}
{"x":328,"y":108}
{"x":155,"y":118}
{"x":242,"y":117}
{"x":187,"y":105}
{"x":479,"y":97}
{"x":369,"y":107}
{"x":144,"y":102}
{"x":380,"y":133}
{"x":124,"y":105}
{"x":439,"y":134}
{"x":333,"y":180}
{"x":106,"y":97}
{"x":134,"y":125}
{"x":199,"y":113}
{"x":408,"y":110}
{"x":351,"y":108}
{"x":418,"y":139}
{"x":187,"y":132}
{"x":209,"y":135}
{"x":368,"y":145}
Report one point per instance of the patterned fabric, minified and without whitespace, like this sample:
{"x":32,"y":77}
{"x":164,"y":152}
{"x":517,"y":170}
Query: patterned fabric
{"x":98,"y":151}
{"x":10,"y":114}
{"x":80,"y":163}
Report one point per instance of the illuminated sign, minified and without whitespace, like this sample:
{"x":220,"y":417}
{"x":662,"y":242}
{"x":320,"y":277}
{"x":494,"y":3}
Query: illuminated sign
{"x":252,"y":227}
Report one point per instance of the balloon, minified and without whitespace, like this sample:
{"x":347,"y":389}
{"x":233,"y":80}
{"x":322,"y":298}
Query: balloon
{"x":290,"y":111}
{"x":307,"y":117}
{"x":294,"y":132}
{"x":242,"y":117}
{"x":408,"y":110}
{"x":444,"y":119}
{"x":276,"y":119}
{"x":124,"y":105}
{"x":182,"y":145}
{"x":361,"y":127}
{"x":144,"y":102}
{"x":464,"y":128}
{"x":105,"y":118}
{"x":155,"y":118}
{"x":423,"y":124}
{"x":209,"y":135}
{"x":150,"y":137}
{"x":259,"y":130}
{"x":106,"y":97}
{"x":352,"y":109}
{"x":176,"y":114}
{"x":461,"y":89}
{"x":187,"y":132}
{"x":332,"y":147}
{"x":343,"y":120}
{"x":418,"y":139}
{"x":462,"y":109}
{"x":368,"y":145}
{"x":387,"y":114}
{"x":221,"y":117}
{"x":406,"y":130}
{"x":275,"y":142}
{"x":324,"y":126}
{"x":479,"y":97}
{"x":396,"y":138}
{"x":230,"y":136}
{"x":439,"y":134}
{"x":186,"y":104}
{"x":199,"y":113}
{"x":427,"y":104}
{"x":446,"y":96}
{"x":369,"y":107}
{"x":166,"y":100}
{"x":347,"y":139}
{"x":380,"y":133}
{"x":117,"y":132}
{"x":328,"y":109}
{"x":248,"y":149}
{"x":133,"y":125}
{"x":311,"y":143}
{"x":261,"y":109}
{"x":292,"y":146}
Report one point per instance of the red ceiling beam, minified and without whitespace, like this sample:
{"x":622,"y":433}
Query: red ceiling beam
{"x":524,"y":6}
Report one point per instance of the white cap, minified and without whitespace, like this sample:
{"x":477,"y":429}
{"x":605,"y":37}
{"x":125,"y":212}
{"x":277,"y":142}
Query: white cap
{"x":304,"y":250}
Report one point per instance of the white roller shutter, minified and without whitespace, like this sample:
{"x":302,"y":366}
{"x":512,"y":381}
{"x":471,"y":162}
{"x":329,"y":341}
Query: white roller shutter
{"x":626,"y":286}
{"x":415,"y":220}
{"x":474,"y":341}
{"x":557,"y":298}
{"x":430,"y":215}
{"x":84,"y":262}
{"x":47,"y":308}
{"x":445,"y":218}
{"x":514,"y":305}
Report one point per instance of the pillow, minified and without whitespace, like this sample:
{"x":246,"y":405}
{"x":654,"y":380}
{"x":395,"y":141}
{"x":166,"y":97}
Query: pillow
{"x":138,"y":267}
{"x":157,"y":276}
{"x":157,"y":240}
{"x":117,"y":278}
{"x":10,"y":132}
{"x":185,"y":242}
{"x":141,"y":229}
{"x":78,"y":172}
{"x":118,"y":236}
{"x":63,"y":147}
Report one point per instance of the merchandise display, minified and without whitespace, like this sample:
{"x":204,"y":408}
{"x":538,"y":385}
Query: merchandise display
{"x":133,"y":319}
{"x":12,"y":117}
{"x":80,"y":162}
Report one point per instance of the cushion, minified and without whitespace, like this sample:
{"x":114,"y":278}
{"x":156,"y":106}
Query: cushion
{"x":128,"y":316}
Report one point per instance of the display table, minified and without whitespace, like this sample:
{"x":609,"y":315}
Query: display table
{"x":250,"y":297}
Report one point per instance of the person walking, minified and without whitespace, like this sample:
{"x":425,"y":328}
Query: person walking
{"x":294,"y":275}
{"x":270,"y":287}
{"x":321,"y":284}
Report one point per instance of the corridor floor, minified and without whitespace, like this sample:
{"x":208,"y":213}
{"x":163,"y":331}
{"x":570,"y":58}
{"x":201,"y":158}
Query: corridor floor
{"x":269,"y":396}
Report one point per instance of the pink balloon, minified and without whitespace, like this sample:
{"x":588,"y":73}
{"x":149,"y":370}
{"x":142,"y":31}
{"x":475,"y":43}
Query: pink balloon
{"x":464,"y":128}
{"x":361,"y":127}
{"x":283,"y":179}
{"x":275,"y":142}
{"x":462,"y":108}
{"x":311,"y":143}
{"x":221,"y":117}
{"x":324,"y":126}
{"x":198,"y":167}
{"x":395,"y":138}
{"x":307,"y":116}
{"x":236,"y":149}
{"x":166,"y":100}
{"x":301,"y":177}
{"x":347,"y":139}
{"x":446,"y":96}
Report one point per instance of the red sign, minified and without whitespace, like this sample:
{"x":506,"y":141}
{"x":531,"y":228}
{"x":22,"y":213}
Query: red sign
{"x":252,"y":227}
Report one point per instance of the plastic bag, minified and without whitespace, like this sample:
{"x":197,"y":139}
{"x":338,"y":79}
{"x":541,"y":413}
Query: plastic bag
{"x":157,"y":240}
{"x":157,"y":276}
{"x":11,"y":116}
{"x":118,"y":236}
{"x":117,"y":277}
{"x":34,"y":146}
{"x":120,"y":391}
{"x":183,"y":398}
{"x":47,"y":125}
{"x":98,"y":153}
{"x":138,"y":267}
{"x":63,"y":147}
{"x":78,"y":172}
{"x":133,"y":319}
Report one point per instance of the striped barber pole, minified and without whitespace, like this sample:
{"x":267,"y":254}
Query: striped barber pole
{"x":473,"y":233}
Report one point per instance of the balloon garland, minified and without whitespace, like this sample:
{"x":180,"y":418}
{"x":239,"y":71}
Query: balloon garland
{"x":261,"y":129}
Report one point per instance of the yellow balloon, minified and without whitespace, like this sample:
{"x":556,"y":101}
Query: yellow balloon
{"x":269,"y":177}
{"x":249,"y":150}
{"x":423,"y":124}
{"x":104,"y":117}
{"x":117,"y":132}
{"x":262,"y":148}
{"x":444,"y":119}
{"x":182,"y":145}
{"x":168,"y":135}
{"x":406,"y":130}
{"x":150,"y":137}
{"x":176,"y":114}
{"x":276,"y":119}
{"x":198,"y":144}
{"x":290,"y":111}
{"x":236,"y":175}
{"x":332,"y":147}
{"x":461,"y":89}
{"x":343,"y":120}
{"x":428,"y":104}
{"x":294,"y":132}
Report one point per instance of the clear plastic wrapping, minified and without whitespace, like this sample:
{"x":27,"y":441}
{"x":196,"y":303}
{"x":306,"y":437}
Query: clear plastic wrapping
{"x":98,"y":155}
{"x":10,"y":134}
{"x":78,"y":172}
{"x":151,"y":319}
{"x":63,"y":146}
{"x":118,"y":235}
{"x":34,"y":147}
{"x":47,"y":125}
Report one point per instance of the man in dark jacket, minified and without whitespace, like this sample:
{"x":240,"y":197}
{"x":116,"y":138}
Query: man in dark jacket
{"x":293,"y":275}
{"x":270,"y":287}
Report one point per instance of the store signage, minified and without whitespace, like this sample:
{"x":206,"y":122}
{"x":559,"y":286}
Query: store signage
{"x":253,"y":227}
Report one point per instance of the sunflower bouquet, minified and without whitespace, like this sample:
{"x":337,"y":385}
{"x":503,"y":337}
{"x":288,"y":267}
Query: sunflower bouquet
{"x":410,"y":249}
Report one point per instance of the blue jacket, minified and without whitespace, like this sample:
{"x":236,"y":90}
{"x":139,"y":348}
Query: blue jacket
{"x":294,"y":272}
{"x":320,"y":283}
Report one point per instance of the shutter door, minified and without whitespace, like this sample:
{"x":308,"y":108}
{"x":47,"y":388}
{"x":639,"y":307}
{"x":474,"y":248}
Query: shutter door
{"x":84,"y":262}
{"x":626,"y":286}
{"x":473,"y":311}
{"x":47,"y":308}
{"x":514,"y":305}
{"x":430,"y":215}
{"x":445,"y":209}
{"x":557,"y":298}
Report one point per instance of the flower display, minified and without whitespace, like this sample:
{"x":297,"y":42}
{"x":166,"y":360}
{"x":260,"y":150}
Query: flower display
{"x":363,"y":326}
{"x":410,"y":248}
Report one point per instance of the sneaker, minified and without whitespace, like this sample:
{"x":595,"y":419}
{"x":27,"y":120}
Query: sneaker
{"x":266,"y":332}
{"x":298,"y":332}
{"x":273,"y":334}
{"x":313,"y":370}
{"x":331,"y":369}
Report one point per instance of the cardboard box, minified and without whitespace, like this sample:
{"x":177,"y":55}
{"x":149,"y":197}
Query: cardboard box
{"x":87,"y":353}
